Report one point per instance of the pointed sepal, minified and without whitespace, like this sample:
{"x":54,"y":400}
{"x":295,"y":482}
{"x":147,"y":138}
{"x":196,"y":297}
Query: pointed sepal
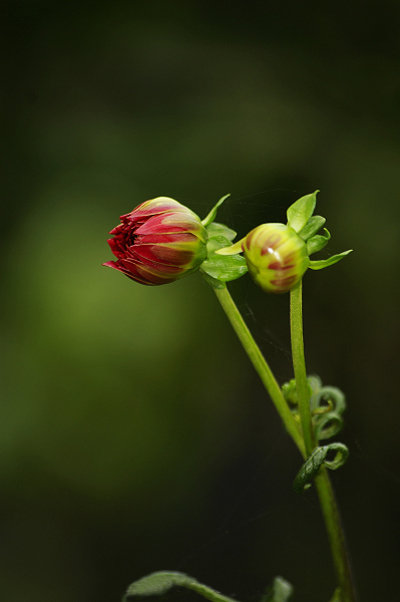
{"x":214,"y":230}
{"x":232,"y":249}
{"x":213,"y":213}
{"x":324,"y":263}
{"x":314,"y":224}
{"x":300,"y":212}
{"x":318,"y":242}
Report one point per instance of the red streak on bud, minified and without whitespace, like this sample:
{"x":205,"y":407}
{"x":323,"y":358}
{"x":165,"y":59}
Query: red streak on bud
{"x":270,"y":244}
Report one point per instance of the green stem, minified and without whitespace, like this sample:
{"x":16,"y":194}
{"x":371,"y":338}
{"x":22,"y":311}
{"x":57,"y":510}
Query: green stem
{"x":325,"y":492}
{"x":261,"y":366}
{"x":299,"y":365}
{"x":323,"y":485}
{"x":337,"y":540}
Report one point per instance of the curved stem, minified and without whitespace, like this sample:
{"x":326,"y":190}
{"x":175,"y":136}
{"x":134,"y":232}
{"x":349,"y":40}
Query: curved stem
{"x":261,"y":366}
{"x":323,"y":485}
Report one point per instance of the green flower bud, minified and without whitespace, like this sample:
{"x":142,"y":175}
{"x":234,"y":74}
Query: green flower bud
{"x":276,"y":257}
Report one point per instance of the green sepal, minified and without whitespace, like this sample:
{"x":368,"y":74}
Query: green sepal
{"x":223,"y":268}
{"x":324,"y":263}
{"x":215,"y":229}
{"x":300,"y":212}
{"x":312,"y":465}
{"x":158,"y":584}
{"x":281,"y":591}
{"x":213,"y":213}
{"x":318,"y":242}
{"x":212,"y":281}
{"x":314,"y":224}
{"x":233,"y":249}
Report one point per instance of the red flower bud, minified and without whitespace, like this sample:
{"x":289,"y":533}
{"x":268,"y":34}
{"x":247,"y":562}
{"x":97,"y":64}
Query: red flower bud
{"x":158,"y":242}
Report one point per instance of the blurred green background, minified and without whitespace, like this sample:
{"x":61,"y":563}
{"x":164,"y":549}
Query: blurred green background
{"x":134,"y":434}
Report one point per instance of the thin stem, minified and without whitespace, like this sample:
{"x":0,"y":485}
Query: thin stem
{"x":261,"y":366}
{"x":337,"y":540}
{"x":325,"y":492}
{"x":299,"y":365}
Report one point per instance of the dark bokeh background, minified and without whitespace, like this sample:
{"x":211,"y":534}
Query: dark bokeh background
{"x":134,"y":434}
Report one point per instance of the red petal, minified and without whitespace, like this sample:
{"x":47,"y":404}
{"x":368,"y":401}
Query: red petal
{"x":163,"y":254}
{"x":154,"y":207}
{"x":174,"y":237}
{"x":169,"y":223}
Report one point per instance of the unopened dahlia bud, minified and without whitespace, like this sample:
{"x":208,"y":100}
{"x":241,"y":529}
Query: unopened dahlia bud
{"x":158,"y":242}
{"x":276,"y":256}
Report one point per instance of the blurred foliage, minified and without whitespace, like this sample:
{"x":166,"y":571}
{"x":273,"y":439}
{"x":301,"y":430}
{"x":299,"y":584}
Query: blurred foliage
{"x":134,"y":435}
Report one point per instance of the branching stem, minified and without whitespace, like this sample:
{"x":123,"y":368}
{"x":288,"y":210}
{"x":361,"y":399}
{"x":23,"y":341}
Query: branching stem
{"x":304,"y":437}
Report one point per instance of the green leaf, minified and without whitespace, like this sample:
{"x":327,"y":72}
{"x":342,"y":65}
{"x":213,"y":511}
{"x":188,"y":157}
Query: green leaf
{"x":213,"y":213}
{"x":158,"y":584}
{"x":314,"y":224}
{"x":318,"y":242}
{"x":312,"y":465}
{"x":300,"y":212}
{"x":155,"y":584}
{"x":324,"y":263}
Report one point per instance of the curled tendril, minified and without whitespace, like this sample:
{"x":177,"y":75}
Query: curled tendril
{"x":318,"y":458}
{"x":327,"y":405}
{"x":314,"y":383}
{"x":327,"y":425}
{"x":332,"y":396}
